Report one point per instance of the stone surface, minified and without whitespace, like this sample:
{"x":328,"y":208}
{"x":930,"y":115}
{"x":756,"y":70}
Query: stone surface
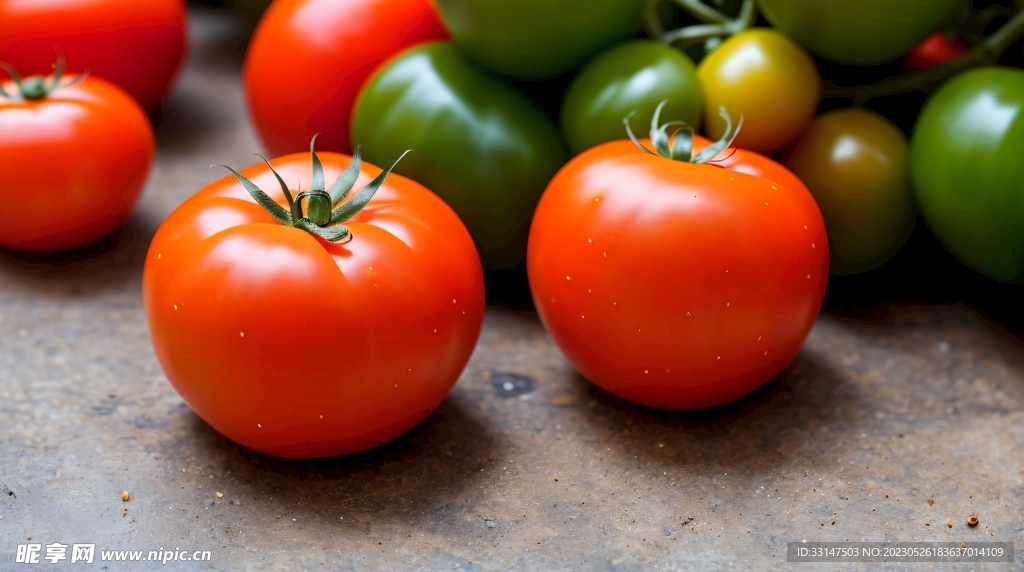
{"x":903,"y":414}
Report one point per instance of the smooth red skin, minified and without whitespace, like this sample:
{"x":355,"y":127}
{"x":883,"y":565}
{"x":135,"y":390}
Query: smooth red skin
{"x":309,"y":58}
{"x":136,"y":44}
{"x":72,"y":165}
{"x":650,"y":251}
{"x":935,"y":50}
{"x":371,"y":335}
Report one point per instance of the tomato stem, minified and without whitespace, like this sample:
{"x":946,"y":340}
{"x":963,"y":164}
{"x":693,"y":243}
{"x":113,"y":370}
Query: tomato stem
{"x":320,"y":218}
{"x":34,"y":87}
{"x":987,"y":52}
{"x":652,"y":23}
{"x":714,"y":24}
{"x":702,"y":12}
{"x":679,"y":145}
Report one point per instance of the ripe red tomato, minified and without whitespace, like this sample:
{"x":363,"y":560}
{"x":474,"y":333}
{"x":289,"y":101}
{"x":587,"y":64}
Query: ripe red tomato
{"x":308,"y":59}
{"x":935,"y":50}
{"x":677,"y":285}
{"x":72,"y":162}
{"x":299,"y":347}
{"x":135,"y":44}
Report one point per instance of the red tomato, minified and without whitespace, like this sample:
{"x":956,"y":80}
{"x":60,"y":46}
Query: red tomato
{"x":137,"y":44}
{"x":308,"y":59}
{"x":935,"y":50}
{"x":299,"y":347}
{"x":676,"y":285}
{"x":72,"y":163}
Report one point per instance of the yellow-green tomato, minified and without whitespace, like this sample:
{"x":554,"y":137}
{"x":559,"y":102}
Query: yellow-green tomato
{"x":631,"y":78}
{"x":854,"y":162}
{"x":768,"y":79}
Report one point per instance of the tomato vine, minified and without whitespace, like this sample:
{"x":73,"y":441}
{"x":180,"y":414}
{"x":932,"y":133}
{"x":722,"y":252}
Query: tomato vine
{"x":987,"y":52}
{"x":715,"y":25}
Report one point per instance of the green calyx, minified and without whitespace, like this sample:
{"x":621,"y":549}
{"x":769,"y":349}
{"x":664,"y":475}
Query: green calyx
{"x":325,"y":212}
{"x":35,"y":87}
{"x":679,"y":145}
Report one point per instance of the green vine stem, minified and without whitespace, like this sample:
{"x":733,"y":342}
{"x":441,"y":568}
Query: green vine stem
{"x":987,"y":52}
{"x":652,"y":22}
{"x":714,"y":24}
{"x":702,"y":12}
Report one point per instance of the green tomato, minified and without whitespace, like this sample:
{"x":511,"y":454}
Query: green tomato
{"x":967,"y":173}
{"x":537,"y":39}
{"x":632,"y":77}
{"x":854,"y":162}
{"x":858,"y":32}
{"x":481,"y":145}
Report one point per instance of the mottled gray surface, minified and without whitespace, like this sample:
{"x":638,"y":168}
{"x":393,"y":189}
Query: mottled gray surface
{"x":916,"y":403}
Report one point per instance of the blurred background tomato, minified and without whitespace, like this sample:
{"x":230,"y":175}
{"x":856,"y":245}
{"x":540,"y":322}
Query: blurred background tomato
{"x":138,"y":45}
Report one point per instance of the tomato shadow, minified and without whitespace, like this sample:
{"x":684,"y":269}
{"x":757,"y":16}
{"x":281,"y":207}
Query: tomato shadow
{"x":794,"y":415}
{"x":924,"y":272}
{"x":218,"y":37}
{"x":510,"y":288}
{"x":113,"y":260}
{"x":415,"y":478}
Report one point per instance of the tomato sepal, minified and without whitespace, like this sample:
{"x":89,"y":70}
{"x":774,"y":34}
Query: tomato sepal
{"x":349,"y":208}
{"x":668,"y":146}
{"x":341,"y":187}
{"x":34,"y":87}
{"x":320,"y":218}
{"x":263,"y":199}
{"x":284,"y":186}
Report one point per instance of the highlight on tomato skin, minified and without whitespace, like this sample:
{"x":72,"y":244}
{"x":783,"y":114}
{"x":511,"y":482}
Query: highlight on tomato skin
{"x":301,"y":341}
{"x":672,"y":284}
{"x":75,"y":152}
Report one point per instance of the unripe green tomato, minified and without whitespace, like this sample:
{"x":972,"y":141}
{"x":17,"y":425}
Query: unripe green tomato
{"x":537,"y":39}
{"x":858,"y":32}
{"x":967,"y":169}
{"x":854,"y":162}
{"x":630,"y":78}
{"x":480,"y":144}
